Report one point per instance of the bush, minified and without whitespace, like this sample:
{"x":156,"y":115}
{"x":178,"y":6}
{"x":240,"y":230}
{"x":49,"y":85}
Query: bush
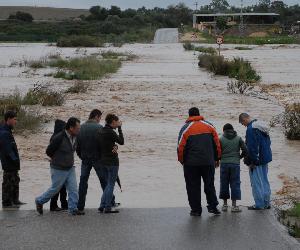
{"x":27,"y":120}
{"x":43,"y":96}
{"x":86,"y":68}
{"x":291,"y":121}
{"x":22,"y":16}
{"x":237,"y":68}
{"x":78,"y":87}
{"x":208,"y":50}
{"x":79,"y":41}
{"x":188,"y":46}
{"x":118,"y":55}
{"x":243,"y":48}
{"x":239,"y":87}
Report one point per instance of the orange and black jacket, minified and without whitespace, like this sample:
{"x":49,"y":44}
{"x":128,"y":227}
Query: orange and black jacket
{"x":198,"y":143}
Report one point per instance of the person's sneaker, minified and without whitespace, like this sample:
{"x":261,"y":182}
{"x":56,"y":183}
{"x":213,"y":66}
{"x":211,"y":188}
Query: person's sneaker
{"x":39,"y":208}
{"x":268,"y":207}
{"x":195,"y":213}
{"x":117,"y":204}
{"x":12,"y":206}
{"x":254,"y":208}
{"x":20,"y":203}
{"x":214,"y":211}
{"x":236,"y":209}
{"x":111,"y":211}
{"x":224,"y":208}
{"x":101,"y":210}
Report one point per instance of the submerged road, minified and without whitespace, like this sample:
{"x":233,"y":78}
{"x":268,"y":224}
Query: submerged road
{"x":136,"y":229}
{"x":166,"y":36}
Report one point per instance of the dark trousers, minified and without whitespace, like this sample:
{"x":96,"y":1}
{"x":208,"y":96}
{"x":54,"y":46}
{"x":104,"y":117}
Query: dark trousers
{"x":86,"y":168}
{"x":230,"y":177}
{"x":62,"y":194}
{"x":10,"y":187}
{"x":193,"y":175}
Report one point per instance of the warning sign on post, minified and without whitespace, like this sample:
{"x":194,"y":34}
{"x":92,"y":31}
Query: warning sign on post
{"x":220,"y":40}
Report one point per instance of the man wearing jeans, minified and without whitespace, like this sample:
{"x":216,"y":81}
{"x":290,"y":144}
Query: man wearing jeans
{"x":89,"y":151}
{"x":259,"y":155}
{"x":110,"y":160}
{"x":61,"y":151}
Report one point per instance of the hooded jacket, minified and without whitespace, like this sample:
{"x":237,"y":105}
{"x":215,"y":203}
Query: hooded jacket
{"x":231,"y":145}
{"x":198,"y":143}
{"x":258,"y":143}
{"x":9,"y":154}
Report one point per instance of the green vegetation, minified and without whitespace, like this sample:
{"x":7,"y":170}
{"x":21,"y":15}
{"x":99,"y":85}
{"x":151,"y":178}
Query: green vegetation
{"x":291,"y":121}
{"x":27,"y":120}
{"x":279,"y":39}
{"x":21,"y":16}
{"x":86,"y":68}
{"x":239,"y":87}
{"x":205,"y":50}
{"x":243,"y":48}
{"x":237,"y":68}
{"x":295,"y":211}
{"x":118,"y":55}
{"x":78,"y":87}
{"x":41,"y":95}
{"x":79,"y":41}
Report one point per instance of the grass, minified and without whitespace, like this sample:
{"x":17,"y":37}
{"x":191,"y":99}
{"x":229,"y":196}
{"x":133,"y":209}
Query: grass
{"x":206,"y":50}
{"x":283,"y":39}
{"x":27,"y":120}
{"x":295,"y":211}
{"x":237,"y":68}
{"x":243,"y":48}
{"x":86,"y":68}
{"x":79,"y":41}
{"x":291,"y":121}
{"x":43,"y":96}
{"x":118,"y":55}
{"x":78,"y":87}
{"x":239,"y":87}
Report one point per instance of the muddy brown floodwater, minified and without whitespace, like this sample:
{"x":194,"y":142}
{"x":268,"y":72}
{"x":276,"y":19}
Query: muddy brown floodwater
{"x":152,"y":95}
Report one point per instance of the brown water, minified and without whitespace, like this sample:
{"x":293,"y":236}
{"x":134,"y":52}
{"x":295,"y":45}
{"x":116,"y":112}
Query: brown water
{"x":152,"y":96}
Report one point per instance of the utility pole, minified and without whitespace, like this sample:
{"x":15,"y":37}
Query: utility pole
{"x":242,"y":26}
{"x":196,"y":4}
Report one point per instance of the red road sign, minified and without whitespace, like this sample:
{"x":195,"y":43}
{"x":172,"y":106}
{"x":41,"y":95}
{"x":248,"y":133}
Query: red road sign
{"x":220,"y":40}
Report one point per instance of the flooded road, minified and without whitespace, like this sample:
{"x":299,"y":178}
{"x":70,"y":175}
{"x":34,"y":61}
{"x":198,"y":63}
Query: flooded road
{"x":152,"y":95}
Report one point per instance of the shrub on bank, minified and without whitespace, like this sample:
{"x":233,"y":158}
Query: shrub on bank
{"x":237,"y":68}
{"x":86,"y":68}
{"x":206,"y":50}
{"x":78,"y":87}
{"x":79,"y":41}
{"x":291,"y":121}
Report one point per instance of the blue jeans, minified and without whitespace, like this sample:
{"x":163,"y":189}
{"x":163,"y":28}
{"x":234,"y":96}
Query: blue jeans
{"x":110,"y":175}
{"x":59,"y":178}
{"x":260,"y":186}
{"x":86,"y":168}
{"x":230,"y":176}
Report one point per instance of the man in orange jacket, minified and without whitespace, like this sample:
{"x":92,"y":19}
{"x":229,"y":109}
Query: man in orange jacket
{"x":199,"y":152}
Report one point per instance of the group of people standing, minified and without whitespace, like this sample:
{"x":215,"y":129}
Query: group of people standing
{"x":201,"y":151}
{"x":95,"y":145}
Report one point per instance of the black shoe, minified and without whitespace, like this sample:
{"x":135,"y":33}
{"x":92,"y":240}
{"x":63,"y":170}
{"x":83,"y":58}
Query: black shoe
{"x":253,"y":208}
{"x":268,"y":207}
{"x":80,"y":212}
{"x":195,"y":213}
{"x":39,"y":208}
{"x":55,"y":209}
{"x":20,"y":203}
{"x":11,"y":206}
{"x":101,"y":210}
{"x":214,"y":211}
{"x":111,"y":211}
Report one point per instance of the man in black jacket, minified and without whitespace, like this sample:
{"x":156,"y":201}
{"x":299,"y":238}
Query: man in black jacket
{"x":89,"y":151}
{"x":61,"y":151}
{"x":110,"y":160}
{"x":10,"y":162}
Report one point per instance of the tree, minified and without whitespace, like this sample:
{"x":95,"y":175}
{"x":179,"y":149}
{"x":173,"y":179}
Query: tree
{"x":115,"y":11}
{"x":221,"y":23}
{"x":98,"y":13}
{"x":219,"y":5}
{"x":22,"y":16}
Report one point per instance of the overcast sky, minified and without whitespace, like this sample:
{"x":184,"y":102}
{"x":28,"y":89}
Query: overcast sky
{"x":85,"y":4}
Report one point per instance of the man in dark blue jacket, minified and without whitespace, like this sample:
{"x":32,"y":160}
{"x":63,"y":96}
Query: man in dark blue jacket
{"x":259,"y":155}
{"x":10,"y":162}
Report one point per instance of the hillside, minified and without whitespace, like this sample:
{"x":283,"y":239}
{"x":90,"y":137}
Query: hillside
{"x":43,"y":13}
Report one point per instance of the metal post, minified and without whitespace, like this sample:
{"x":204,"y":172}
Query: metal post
{"x":242,"y":19}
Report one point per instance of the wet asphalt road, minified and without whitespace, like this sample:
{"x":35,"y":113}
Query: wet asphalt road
{"x":161,"y":228}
